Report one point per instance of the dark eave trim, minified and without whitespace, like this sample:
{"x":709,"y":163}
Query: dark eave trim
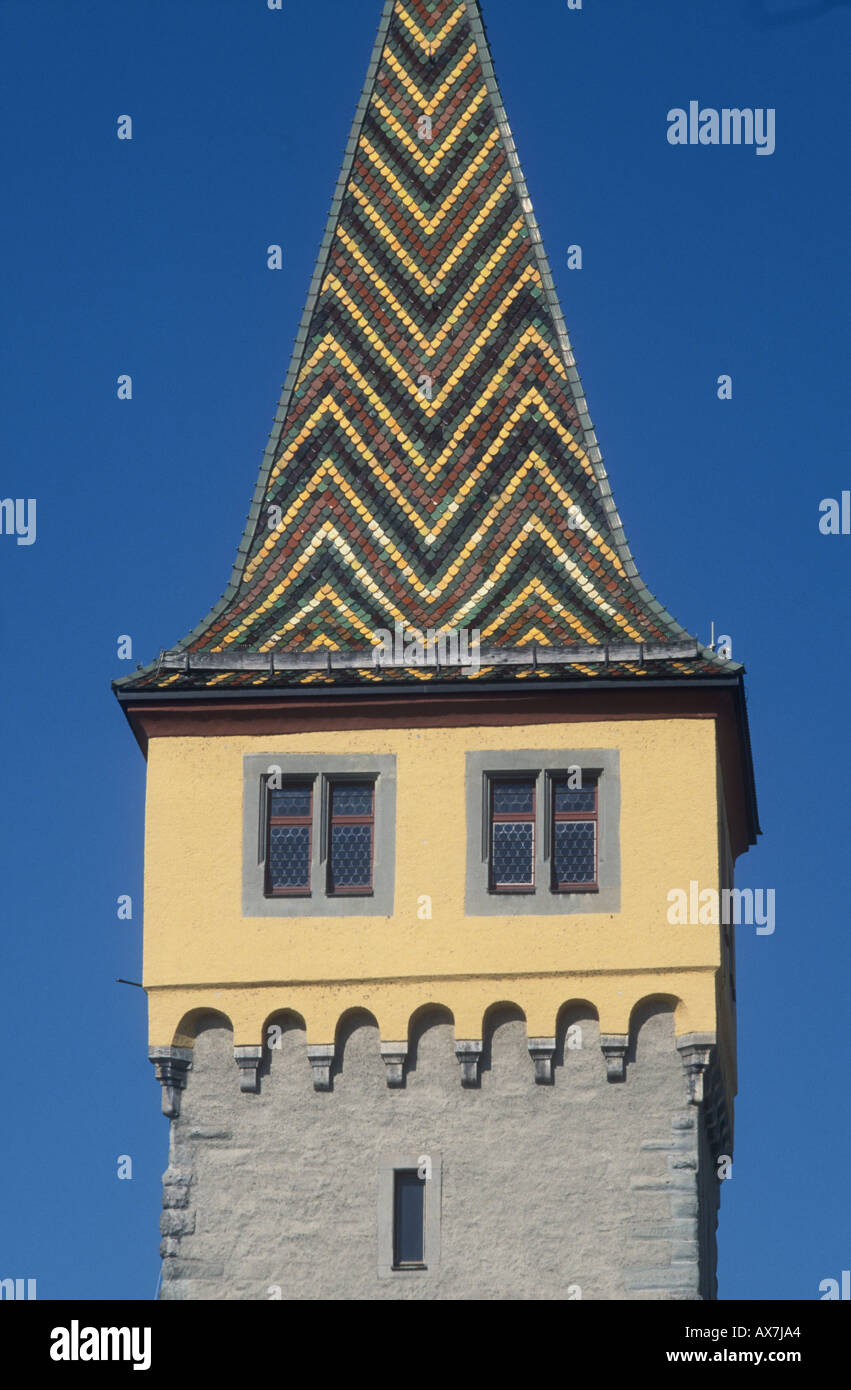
{"x":153,"y":697}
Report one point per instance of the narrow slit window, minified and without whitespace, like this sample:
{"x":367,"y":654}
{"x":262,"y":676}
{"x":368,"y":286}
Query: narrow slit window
{"x":512,"y":837}
{"x":408,"y":1220}
{"x":289,"y":840}
{"x":351,"y":837}
{"x":575,"y":836}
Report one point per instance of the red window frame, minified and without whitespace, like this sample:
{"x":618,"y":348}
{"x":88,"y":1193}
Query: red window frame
{"x":336,"y":890}
{"x":299,"y":891}
{"x":562,"y":817}
{"x":506,"y":817}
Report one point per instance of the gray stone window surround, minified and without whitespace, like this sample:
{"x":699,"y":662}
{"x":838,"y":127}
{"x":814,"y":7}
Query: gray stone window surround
{"x":544,"y":765}
{"x":433,"y":1191}
{"x":321,"y":769}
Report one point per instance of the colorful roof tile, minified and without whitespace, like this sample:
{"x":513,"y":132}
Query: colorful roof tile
{"x":433,"y":462}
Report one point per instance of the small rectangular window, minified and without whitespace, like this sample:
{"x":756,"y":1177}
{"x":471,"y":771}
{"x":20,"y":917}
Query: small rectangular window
{"x":408,"y":1220}
{"x":574,"y":835}
{"x":289,"y":822}
{"x":512,"y":838}
{"x":351,"y":820}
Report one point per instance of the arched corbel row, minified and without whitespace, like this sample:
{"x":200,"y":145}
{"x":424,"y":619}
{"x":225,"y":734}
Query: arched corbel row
{"x":173,"y":1063}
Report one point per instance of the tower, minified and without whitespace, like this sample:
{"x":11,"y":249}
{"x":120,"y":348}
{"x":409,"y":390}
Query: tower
{"x":423,"y":783}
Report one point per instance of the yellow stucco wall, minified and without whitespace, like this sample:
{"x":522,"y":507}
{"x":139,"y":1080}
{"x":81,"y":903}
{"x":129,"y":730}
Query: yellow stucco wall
{"x":201,"y":953}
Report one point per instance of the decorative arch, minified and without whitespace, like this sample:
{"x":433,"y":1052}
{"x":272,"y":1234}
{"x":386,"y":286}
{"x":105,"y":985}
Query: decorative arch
{"x":288,"y":1020}
{"x":172,"y":1063}
{"x":276,"y":1036}
{"x":572,"y":1033}
{"x":195,"y":1021}
{"x":351,"y":1022}
{"x":499,"y":1015}
{"x":423,"y":1013}
{"x":425,"y":1020}
{"x":648,"y":1006}
{"x":501,"y":1011}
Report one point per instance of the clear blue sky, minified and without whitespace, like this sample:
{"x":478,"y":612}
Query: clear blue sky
{"x":149,"y":258}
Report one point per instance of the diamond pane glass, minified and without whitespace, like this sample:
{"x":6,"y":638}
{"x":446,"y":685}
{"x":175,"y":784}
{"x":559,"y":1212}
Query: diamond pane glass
{"x":513,"y":798}
{"x":289,"y":856}
{"x":574,"y":852}
{"x":351,"y":856}
{"x":351,"y":799}
{"x":569,"y":798}
{"x":291,"y":801}
{"x":513,"y":849}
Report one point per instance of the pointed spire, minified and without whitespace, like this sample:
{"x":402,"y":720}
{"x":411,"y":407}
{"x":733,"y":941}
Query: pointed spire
{"x":433,"y":462}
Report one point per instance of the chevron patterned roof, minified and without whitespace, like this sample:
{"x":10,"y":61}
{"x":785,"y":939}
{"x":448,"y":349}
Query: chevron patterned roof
{"x":433,"y":462}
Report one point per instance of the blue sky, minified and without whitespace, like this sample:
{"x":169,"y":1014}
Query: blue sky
{"x":148,"y":257}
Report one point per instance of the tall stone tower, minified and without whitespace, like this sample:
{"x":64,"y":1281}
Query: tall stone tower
{"x":423,"y":1025}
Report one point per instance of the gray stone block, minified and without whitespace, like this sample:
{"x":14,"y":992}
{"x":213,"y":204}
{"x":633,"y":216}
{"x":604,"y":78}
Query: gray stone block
{"x":177,"y":1223}
{"x":176,"y":1195}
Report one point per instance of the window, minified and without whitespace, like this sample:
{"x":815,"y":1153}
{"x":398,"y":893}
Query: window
{"x":289,"y":817}
{"x":410,"y":1188}
{"x":543,"y":832}
{"x":408,"y":1220}
{"x":318,"y":834}
{"x":512,"y":848}
{"x":574,"y":835}
{"x":351,"y":826}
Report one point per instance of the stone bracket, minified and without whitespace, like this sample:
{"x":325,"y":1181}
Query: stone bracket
{"x":542,"y":1052}
{"x":469,"y":1054}
{"x":171,"y":1065}
{"x":321,"y":1056}
{"x":394,"y":1055}
{"x":614,"y":1048}
{"x":696,"y":1052}
{"x":248,"y":1060}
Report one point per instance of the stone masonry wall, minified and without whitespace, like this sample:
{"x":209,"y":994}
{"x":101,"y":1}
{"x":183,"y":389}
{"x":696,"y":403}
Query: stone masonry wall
{"x":545,"y":1190}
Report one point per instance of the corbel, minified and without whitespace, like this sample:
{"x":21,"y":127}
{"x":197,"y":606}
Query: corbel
{"x":171,"y":1065}
{"x":320,"y":1057}
{"x":394,"y":1055}
{"x":696,"y":1052}
{"x":542,"y":1052}
{"x":614,"y":1048}
{"x":469,"y":1054}
{"x":248,"y":1060}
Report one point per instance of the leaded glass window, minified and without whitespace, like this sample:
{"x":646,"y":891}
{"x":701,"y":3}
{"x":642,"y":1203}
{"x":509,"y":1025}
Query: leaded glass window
{"x":289,"y":830}
{"x":512,"y":839}
{"x":351,"y":837}
{"x":574,"y":843}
